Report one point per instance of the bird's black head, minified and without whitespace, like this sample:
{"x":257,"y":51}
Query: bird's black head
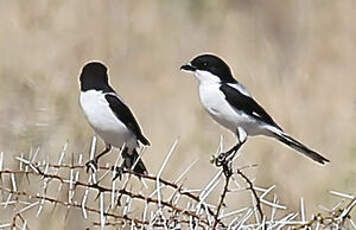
{"x":212,"y":64}
{"x":94,"y":76}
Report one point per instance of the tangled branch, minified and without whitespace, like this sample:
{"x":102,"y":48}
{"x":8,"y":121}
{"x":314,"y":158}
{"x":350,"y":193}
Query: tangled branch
{"x":163,"y":203}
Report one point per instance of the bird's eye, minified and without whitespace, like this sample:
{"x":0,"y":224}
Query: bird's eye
{"x":205,"y":64}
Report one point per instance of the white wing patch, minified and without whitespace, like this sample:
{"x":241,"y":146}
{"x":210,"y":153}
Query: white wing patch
{"x":256,"y":114}
{"x":240,"y":88}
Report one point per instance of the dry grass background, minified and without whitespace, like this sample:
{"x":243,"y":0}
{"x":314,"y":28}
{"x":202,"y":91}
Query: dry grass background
{"x":296,"y":57}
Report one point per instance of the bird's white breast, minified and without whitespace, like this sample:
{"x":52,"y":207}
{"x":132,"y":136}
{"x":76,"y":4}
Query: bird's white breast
{"x":103,"y":120}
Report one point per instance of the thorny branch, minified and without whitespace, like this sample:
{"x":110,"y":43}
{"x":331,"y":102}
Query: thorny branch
{"x":170,"y":206}
{"x":334,"y":219}
{"x":65,"y":204}
{"x":104,"y":189}
{"x":226,"y":189}
{"x":221,"y":202}
{"x":19,"y":216}
{"x":251,"y":187}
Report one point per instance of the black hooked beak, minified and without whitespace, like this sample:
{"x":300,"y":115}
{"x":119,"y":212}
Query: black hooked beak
{"x":188,"y":67}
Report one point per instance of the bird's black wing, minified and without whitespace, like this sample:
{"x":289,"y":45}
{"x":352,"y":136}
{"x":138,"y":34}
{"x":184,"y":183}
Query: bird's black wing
{"x":246,"y":104}
{"x":124,"y":114}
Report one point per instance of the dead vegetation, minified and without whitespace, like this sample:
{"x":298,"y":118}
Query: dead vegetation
{"x":152,"y":201}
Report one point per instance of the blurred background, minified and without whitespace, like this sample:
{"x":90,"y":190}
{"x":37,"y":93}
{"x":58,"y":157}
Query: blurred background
{"x":296,"y":57}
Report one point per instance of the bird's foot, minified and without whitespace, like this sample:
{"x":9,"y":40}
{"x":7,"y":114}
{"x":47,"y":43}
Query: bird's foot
{"x":92,"y":165}
{"x":118,"y":171}
{"x":221,"y":159}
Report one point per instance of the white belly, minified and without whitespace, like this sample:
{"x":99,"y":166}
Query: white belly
{"x":215,"y":104}
{"x":104,"y":122}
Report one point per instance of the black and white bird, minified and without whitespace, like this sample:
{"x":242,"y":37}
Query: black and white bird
{"x":232,"y":106}
{"x":109,"y":116}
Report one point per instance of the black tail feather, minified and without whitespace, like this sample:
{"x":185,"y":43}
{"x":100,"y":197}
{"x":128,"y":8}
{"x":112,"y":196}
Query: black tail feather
{"x":143,"y":140}
{"x":295,"y":144}
{"x":130,"y":159}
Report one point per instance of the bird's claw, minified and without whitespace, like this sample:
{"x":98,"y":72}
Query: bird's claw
{"x":117,"y":171}
{"x":221,"y":160}
{"x":92,"y":165}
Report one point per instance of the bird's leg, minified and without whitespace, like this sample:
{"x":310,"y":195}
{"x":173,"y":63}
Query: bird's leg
{"x":93,"y":164}
{"x":224,"y":157}
{"x":119,"y":170}
{"x":106,"y":150}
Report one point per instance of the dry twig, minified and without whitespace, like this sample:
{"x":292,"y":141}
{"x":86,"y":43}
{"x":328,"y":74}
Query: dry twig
{"x":170,"y":206}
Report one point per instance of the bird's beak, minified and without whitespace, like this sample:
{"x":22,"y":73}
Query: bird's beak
{"x":188,"y":67}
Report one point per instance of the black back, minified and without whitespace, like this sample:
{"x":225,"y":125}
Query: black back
{"x":247,"y":104}
{"x":94,"y":76}
{"x":214,"y":65}
{"x":124,"y":114}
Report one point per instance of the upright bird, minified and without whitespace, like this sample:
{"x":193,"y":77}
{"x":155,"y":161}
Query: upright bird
{"x":231,"y":105}
{"x":110,"y":117}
